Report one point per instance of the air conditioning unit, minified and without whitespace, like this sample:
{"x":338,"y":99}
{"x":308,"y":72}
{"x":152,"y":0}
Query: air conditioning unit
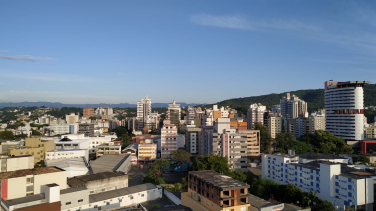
{"x":354,"y":190}
{"x":354,"y":197}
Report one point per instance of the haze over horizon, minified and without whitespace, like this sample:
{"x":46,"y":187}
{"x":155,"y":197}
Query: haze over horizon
{"x":89,"y":52}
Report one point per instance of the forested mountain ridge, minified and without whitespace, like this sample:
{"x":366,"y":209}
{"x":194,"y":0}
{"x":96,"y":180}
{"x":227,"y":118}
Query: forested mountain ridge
{"x":314,"y":98}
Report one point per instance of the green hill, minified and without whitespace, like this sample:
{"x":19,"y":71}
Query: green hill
{"x":314,"y":98}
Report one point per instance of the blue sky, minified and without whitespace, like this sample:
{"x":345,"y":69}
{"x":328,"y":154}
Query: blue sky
{"x":191,"y":51}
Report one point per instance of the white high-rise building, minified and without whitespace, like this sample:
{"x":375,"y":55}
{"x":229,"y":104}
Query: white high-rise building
{"x":255,"y":114}
{"x":72,"y":118}
{"x":104,"y":110}
{"x":292,"y":107}
{"x":143,"y":111}
{"x":344,"y":105}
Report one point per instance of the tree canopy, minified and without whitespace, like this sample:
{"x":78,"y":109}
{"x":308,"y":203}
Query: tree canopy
{"x":265,"y":139}
{"x":360,"y":159}
{"x":6,"y":135}
{"x":325,"y":142}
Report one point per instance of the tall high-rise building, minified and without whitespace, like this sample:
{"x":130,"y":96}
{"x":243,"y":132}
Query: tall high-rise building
{"x":143,"y":111}
{"x":88,"y":112}
{"x":190,"y":115}
{"x":104,"y":110}
{"x":344,"y":109}
{"x":174,"y":113}
{"x":72,"y":118}
{"x":274,"y":125}
{"x":292,"y":107}
{"x":169,"y":135}
{"x":255,"y":114}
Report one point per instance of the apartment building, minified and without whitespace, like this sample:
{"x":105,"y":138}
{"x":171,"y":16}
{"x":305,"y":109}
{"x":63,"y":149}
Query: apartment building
{"x":37,"y":152}
{"x":147,"y":150}
{"x":253,"y":142}
{"x":88,"y":112}
{"x":104,"y":110}
{"x":72,"y":118}
{"x":193,"y":140}
{"x":48,"y":145}
{"x":108,"y":149}
{"x":292,"y":107}
{"x":191,"y":115}
{"x":206,"y":140}
{"x":60,"y":129}
{"x":335,"y":182}
{"x":344,"y":106}
{"x":169,"y":135}
{"x":370,"y":132}
{"x":174,"y":113}
{"x":255,"y":114}
{"x":26,"y":182}
{"x":208,"y":190}
{"x":274,"y":125}
{"x":143,"y":112}
{"x":86,"y":128}
{"x":230,"y":143}
{"x":16,"y":163}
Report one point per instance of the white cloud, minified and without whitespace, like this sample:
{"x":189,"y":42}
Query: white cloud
{"x":26,"y":58}
{"x":243,"y":23}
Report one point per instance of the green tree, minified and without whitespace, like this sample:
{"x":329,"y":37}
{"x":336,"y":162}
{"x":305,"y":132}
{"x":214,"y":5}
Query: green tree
{"x":361,"y":159}
{"x":155,"y":206}
{"x":155,"y":132}
{"x":212,"y":162}
{"x":154,"y":173}
{"x":301,"y":147}
{"x":180,"y":156}
{"x":6,"y":135}
{"x":35,"y":133}
{"x":239,"y":175}
{"x":265,"y":139}
{"x":284,"y":141}
{"x":325,"y":142}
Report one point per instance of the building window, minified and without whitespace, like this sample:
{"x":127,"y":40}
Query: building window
{"x":142,"y":195}
{"x":68,"y":203}
{"x":108,"y":203}
{"x":81,"y":200}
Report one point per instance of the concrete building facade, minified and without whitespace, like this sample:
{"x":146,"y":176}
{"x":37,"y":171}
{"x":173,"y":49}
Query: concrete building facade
{"x":255,"y":114}
{"x":208,"y":190}
{"x":169,"y":134}
{"x":344,"y":104}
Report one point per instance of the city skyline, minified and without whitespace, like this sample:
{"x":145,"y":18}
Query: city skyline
{"x":119,"y":52}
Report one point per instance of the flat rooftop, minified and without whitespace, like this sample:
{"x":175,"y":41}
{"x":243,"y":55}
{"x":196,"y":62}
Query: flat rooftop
{"x":79,"y":181}
{"x":108,"y":163}
{"x":25,"y":172}
{"x":285,"y":155}
{"x":218,"y":180}
{"x":120,"y":192}
{"x":71,"y":190}
{"x":314,"y":156}
{"x":26,"y":199}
